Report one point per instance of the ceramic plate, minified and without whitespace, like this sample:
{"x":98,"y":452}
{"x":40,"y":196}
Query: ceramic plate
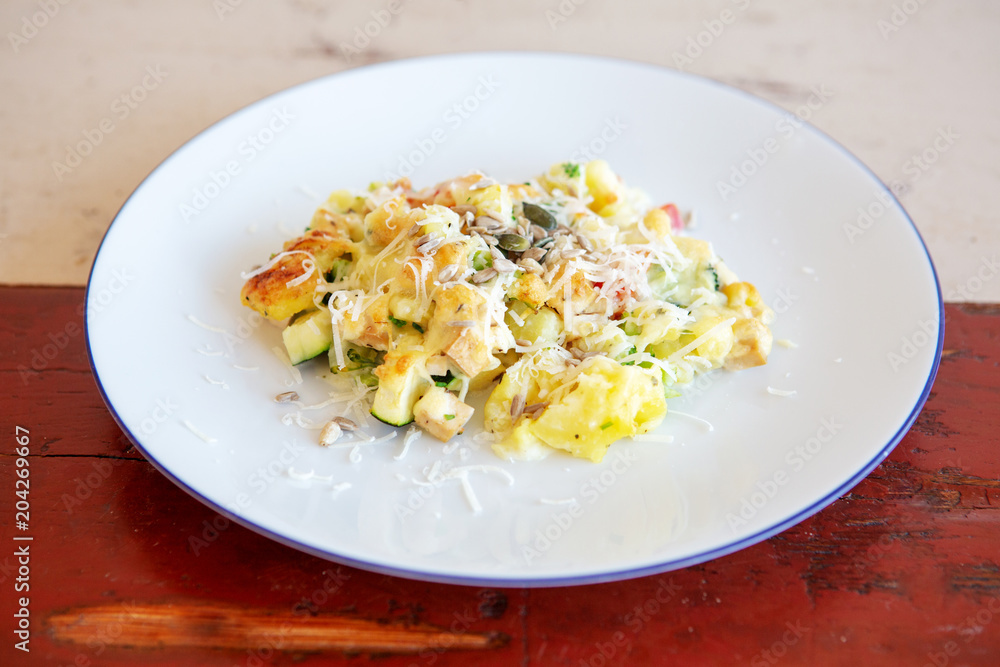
{"x":190,"y":374}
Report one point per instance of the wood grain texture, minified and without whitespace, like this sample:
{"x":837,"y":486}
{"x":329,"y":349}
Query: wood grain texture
{"x":903,"y":570}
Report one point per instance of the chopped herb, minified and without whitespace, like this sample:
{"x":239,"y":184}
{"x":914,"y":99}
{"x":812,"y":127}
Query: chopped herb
{"x":362,"y":361}
{"x":606,"y":425}
{"x":417,"y":327}
{"x":632,"y":350}
{"x":441,"y":383}
{"x":397,"y":322}
{"x":715,"y":277}
{"x":449,"y":417}
{"x":572,"y":169}
{"x":482,"y":259}
{"x":630,"y":328}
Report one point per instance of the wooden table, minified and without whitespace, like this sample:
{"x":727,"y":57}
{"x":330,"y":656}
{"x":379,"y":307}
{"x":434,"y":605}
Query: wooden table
{"x":124,"y":568}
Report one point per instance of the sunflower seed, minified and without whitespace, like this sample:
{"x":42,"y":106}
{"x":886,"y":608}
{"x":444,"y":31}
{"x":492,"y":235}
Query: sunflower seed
{"x":462,"y":209}
{"x":345,"y":424}
{"x":585,"y":243}
{"x":483,"y":276}
{"x":488,"y":222}
{"x":537,"y":233}
{"x":286,"y":397}
{"x":573,"y":253}
{"x":330,"y":434}
{"x":532,"y":266}
{"x":482,"y":183}
{"x":533,"y":409}
{"x":516,"y":406}
{"x":504,"y":265}
{"x":448,"y":272}
{"x":428,"y":246}
{"x":521,"y":342}
{"x":533,"y":253}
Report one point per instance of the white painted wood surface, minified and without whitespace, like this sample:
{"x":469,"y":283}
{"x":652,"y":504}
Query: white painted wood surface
{"x":902,"y":73}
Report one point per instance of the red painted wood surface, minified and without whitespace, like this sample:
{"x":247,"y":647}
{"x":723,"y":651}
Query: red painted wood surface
{"x":904,"y":570}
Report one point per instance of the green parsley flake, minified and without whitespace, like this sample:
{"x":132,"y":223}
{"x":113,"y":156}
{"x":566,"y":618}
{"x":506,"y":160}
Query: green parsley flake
{"x":572,"y":169}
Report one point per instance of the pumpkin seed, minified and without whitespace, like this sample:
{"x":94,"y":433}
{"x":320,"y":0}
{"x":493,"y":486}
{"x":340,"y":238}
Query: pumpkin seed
{"x":513,"y":242}
{"x":539,"y":216}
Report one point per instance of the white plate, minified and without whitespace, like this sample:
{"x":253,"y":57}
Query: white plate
{"x":860,"y":299}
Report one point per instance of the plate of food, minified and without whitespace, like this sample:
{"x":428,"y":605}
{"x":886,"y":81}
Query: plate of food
{"x":514,"y":319}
